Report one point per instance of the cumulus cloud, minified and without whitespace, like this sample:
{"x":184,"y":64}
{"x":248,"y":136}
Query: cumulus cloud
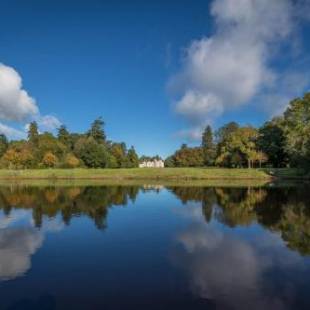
{"x":18,"y":106}
{"x":228,"y":69}
{"x":15,"y":103}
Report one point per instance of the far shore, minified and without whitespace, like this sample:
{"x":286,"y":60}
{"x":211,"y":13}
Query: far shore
{"x":154,"y":174}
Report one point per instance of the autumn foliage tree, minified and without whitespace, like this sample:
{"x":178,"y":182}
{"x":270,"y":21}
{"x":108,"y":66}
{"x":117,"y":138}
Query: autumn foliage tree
{"x":49,"y":160}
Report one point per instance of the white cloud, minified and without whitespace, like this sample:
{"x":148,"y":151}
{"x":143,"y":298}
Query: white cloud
{"x":12,"y":132}
{"x":196,"y":106}
{"x":15,"y":103}
{"x":230,"y":68}
{"x":45,"y":123}
{"x":190,"y":134}
{"x":48,"y":122}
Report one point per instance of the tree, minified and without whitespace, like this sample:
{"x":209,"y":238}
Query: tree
{"x":19,"y":156}
{"x":93,"y":154}
{"x":297,"y":131}
{"x":11,"y":159}
{"x":48,"y":143}
{"x":188,"y":157}
{"x":63,"y":136}
{"x":71,"y":161}
{"x":240,"y":145}
{"x":225,"y":131}
{"x":169,"y":162}
{"x":272,"y":141}
{"x":261,"y":158}
{"x":96,"y":131}
{"x":111,"y":161}
{"x":49,"y":160}
{"x":119,"y":150}
{"x":133,"y":158}
{"x":223,"y":135}
{"x":33,"y":133}
{"x":208,"y":146}
{"x":3,"y":144}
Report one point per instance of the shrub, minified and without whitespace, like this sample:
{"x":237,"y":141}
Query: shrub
{"x":71,"y":161}
{"x":49,"y":160}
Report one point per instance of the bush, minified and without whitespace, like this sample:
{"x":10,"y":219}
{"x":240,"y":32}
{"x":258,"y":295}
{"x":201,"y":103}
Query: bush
{"x":49,"y":160}
{"x":71,"y":161}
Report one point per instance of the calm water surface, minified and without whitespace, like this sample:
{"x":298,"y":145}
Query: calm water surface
{"x":154,"y":247}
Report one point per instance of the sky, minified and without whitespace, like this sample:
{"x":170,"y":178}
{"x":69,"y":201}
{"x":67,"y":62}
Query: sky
{"x":156,"y":71}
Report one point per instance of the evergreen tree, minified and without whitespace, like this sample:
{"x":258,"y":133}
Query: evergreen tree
{"x":133,"y":159}
{"x":63,"y":136}
{"x":33,"y":133}
{"x":96,"y":130}
{"x":208,"y":146}
{"x":3,"y":144}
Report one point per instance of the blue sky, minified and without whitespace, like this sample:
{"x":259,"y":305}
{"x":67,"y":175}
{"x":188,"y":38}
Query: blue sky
{"x":156,"y":71}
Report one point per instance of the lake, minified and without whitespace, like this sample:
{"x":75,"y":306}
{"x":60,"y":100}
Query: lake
{"x":154,"y":247}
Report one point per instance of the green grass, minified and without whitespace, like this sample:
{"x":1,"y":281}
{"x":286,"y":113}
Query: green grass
{"x":288,"y":173}
{"x":138,"y":173}
{"x":172,"y":174}
{"x":149,"y":176}
{"x":133,"y":182}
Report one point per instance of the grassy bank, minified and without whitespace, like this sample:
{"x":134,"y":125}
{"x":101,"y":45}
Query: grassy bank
{"x":145,"y":183}
{"x":179,"y":174}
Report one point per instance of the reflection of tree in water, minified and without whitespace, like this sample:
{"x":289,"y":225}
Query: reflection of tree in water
{"x":205,"y":195}
{"x":285,"y":210}
{"x":289,"y":213}
{"x":238,"y":205}
{"x":91,"y":201}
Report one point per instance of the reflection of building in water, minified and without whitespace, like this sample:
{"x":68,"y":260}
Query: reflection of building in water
{"x":152,"y":164}
{"x":153,"y":187}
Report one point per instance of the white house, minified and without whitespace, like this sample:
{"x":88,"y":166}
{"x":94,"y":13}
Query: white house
{"x":152,"y":164}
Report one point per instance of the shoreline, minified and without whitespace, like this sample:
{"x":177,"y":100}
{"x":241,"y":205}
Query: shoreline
{"x":156,"y":174}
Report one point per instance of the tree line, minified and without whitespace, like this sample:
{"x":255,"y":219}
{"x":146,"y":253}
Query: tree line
{"x":283,"y":141}
{"x":66,"y":150}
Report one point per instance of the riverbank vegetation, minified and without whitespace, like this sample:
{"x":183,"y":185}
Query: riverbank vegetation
{"x":282,"y":142}
{"x":66,"y":150}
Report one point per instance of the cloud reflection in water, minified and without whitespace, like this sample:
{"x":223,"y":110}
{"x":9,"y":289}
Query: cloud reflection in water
{"x":230,"y":268}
